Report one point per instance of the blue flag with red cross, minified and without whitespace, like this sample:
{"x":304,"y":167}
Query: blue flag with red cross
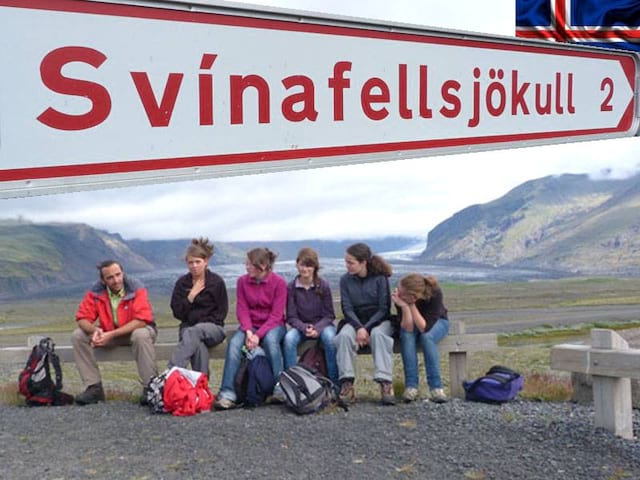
{"x":598,"y":23}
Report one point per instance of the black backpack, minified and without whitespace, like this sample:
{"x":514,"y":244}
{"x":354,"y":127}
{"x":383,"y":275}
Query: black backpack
{"x":254,"y":379}
{"x":35,"y":382}
{"x":306,"y":391}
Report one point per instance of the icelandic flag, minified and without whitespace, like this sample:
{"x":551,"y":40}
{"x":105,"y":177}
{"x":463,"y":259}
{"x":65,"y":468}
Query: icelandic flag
{"x":598,"y":23}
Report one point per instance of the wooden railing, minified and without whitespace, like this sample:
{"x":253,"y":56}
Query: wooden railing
{"x":612,"y":365}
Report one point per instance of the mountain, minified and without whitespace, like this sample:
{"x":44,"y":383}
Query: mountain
{"x":569,"y":223}
{"x":288,"y":250}
{"x":169,"y":254}
{"x":41,"y":256}
{"x":57,"y":258}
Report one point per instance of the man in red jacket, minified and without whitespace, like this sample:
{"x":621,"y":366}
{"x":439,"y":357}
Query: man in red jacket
{"x":115,"y":311}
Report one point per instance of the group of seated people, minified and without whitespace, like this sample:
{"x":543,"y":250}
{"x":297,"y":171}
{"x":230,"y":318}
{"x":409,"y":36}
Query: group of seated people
{"x":273,"y":315}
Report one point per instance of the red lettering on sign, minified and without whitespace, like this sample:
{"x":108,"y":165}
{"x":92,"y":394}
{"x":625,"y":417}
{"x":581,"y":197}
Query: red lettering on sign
{"x":205,"y":84}
{"x":238,"y":84}
{"x":306,"y":97}
{"x":451,"y":98}
{"x":368,"y":97}
{"x":404,"y":110}
{"x":52,"y":77}
{"x":338,"y":83}
{"x":159,"y":115}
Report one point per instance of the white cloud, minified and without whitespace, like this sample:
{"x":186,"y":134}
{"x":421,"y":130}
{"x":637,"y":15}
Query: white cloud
{"x":407,"y":197}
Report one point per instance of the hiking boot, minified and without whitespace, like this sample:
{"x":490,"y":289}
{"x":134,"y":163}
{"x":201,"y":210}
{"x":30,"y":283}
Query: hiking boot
{"x":222,"y":403}
{"x":410,"y":395}
{"x":386,"y":393}
{"x":438,"y":396}
{"x":347,"y":392}
{"x":93,"y":394}
{"x":277,"y":398}
{"x":144,"y":400}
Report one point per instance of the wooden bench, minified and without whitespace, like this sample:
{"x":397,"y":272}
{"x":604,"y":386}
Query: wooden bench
{"x":612,"y":365}
{"x":457,"y":344}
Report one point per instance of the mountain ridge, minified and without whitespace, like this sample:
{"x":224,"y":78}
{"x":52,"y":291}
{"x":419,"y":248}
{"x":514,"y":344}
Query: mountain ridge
{"x":568,"y":222}
{"x":40,"y":257}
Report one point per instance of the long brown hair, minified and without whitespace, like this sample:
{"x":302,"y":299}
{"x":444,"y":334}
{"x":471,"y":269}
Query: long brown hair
{"x":421,"y":286}
{"x":308,"y":257}
{"x":261,"y":256}
{"x":376,"y":265}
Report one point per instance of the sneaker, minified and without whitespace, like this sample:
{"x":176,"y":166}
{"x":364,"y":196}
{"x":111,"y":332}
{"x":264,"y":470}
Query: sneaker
{"x":438,"y":396}
{"x":93,"y":394}
{"x":222,"y":403}
{"x":347,"y":392}
{"x":386,"y":393}
{"x":410,"y":394}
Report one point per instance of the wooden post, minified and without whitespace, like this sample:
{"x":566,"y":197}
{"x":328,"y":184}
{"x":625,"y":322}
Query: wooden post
{"x":457,"y":364}
{"x":611,"y":395}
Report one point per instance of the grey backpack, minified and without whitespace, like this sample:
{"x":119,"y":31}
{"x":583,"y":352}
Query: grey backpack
{"x":306,"y":391}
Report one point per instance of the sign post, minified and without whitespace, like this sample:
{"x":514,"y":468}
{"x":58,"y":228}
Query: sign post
{"x":101,"y":94}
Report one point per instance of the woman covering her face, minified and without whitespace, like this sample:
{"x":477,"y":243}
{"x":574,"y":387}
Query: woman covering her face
{"x":423,"y":318}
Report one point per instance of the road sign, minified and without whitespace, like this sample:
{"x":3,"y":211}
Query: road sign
{"x":98,"y":94}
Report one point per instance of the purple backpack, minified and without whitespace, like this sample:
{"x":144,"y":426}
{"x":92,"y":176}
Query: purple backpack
{"x":499,"y":385}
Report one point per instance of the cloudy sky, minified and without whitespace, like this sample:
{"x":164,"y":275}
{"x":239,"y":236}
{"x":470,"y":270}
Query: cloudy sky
{"x":404,"y":197}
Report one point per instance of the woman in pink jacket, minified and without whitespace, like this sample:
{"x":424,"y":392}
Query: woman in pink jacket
{"x":261,"y":301}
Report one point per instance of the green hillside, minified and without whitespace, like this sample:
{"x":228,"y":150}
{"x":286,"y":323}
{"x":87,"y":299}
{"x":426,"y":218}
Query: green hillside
{"x":34,"y":257}
{"x":569,"y":223}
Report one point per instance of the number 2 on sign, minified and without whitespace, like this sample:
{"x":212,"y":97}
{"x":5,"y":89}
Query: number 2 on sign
{"x":606,"y":86}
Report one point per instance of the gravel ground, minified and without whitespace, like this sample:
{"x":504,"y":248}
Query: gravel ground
{"x":457,"y":440}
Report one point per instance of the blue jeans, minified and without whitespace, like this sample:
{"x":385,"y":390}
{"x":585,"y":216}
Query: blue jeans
{"x":294,"y":337}
{"x":271,"y":345}
{"x":429,"y":343}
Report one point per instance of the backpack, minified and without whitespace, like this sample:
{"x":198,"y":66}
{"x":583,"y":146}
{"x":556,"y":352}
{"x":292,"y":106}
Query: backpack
{"x":254,"y":379}
{"x":155,"y":392}
{"x":306,"y":391}
{"x":499,"y":385}
{"x":314,"y":358}
{"x":35,"y":382}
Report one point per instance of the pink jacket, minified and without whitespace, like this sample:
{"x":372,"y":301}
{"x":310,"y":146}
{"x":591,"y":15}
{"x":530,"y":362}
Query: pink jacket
{"x":261,"y":305}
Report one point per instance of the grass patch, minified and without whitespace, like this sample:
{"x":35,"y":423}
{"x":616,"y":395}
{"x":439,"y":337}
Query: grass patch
{"x":549,"y":333}
{"x":542,"y":294}
{"x":9,"y":394}
{"x":547,"y":387}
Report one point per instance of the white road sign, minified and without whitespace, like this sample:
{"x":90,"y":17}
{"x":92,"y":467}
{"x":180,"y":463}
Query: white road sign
{"x":97,"y":94}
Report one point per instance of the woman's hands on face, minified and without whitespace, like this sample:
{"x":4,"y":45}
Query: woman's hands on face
{"x":395,"y":296}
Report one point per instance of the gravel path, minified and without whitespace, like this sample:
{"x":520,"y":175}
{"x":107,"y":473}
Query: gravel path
{"x":457,"y":440}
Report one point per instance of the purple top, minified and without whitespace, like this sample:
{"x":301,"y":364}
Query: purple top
{"x":261,"y":303}
{"x":313,"y":306}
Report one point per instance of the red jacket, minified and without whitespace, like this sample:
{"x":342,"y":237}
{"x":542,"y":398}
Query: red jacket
{"x":134,"y":305}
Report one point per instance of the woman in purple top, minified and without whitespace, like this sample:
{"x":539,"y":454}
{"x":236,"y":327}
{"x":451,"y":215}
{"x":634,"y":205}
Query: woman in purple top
{"x":261,"y":300}
{"x":310,"y":312}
